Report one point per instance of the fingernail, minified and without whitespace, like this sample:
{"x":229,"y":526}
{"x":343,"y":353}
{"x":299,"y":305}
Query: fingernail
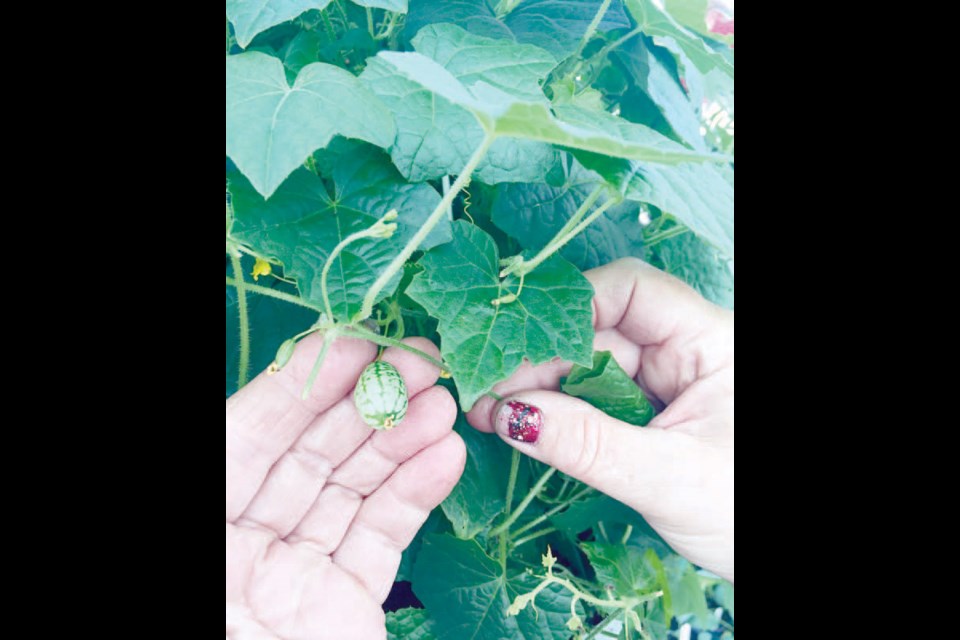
{"x":519,"y":421}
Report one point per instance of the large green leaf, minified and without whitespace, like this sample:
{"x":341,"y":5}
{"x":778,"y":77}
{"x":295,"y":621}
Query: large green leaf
{"x":250,"y":17}
{"x":534,"y":212}
{"x":650,"y":71}
{"x":517,"y":113}
{"x":273,"y":127}
{"x":554,"y":25}
{"x":484,"y":343}
{"x":699,"y":265}
{"x":410,"y":624}
{"x":697,"y":194}
{"x":301,"y":224}
{"x":659,"y":24}
{"x":271,"y":322}
{"x":479,"y":495}
{"x":467,"y":595}
{"x":606,"y":386}
{"x":436,"y":137}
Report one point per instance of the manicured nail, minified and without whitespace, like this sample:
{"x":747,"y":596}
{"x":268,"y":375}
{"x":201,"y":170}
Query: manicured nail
{"x":519,"y":421}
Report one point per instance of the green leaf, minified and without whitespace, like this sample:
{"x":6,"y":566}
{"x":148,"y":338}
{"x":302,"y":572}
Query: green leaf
{"x":659,"y":24}
{"x":723,"y":594}
{"x":554,"y":25}
{"x":606,"y":386}
{"x":484,"y":343}
{"x":688,"y":599}
{"x":435,"y":523}
{"x":467,"y":594}
{"x":273,"y":127}
{"x":397,"y":6}
{"x":534,"y":213}
{"x":516,"y":113}
{"x":301,"y":224}
{"x":436,"y":137}
{"x":697,"y":194}
{"x":479,"y":496}
{"x":699,"y":265}
{"x":271,"y":322}
{"x":623,"y":567}
{"x":250,"y":17}
{"x":650,"y":71}
{"x":410,"y":624}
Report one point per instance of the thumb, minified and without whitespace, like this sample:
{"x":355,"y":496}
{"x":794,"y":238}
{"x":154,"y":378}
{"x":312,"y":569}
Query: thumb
{"x":633,"y":464}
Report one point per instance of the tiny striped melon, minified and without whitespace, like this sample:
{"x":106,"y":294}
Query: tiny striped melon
{"x":381,"y":395}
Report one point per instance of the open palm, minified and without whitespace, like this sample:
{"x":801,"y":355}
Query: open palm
{"x":319,"y":505}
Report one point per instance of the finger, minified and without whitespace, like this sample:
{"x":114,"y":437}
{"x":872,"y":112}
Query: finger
{"x":632,"y":464}
{"x":645,"y":304}
{"x":429,"y":419}
{"x":391,"y":517}
{"x":267,"y":416}
{"x":295,"y":481}
{"x":682,"y":337}
{"x":547,"y":376}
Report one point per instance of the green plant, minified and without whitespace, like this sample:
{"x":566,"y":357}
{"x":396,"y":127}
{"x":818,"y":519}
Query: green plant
{"x":448,"y":170}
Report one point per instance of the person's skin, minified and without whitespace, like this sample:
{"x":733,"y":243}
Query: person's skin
{"x":319,"y":505}
{"x":678,"y":471}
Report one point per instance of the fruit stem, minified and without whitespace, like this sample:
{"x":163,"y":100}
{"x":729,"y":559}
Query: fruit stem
{"x":358,"y":331}
{"x":328,"y":338}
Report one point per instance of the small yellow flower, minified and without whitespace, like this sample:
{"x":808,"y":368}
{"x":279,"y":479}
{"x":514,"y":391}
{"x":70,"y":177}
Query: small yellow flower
{"x":445,"y":374}
{"x":260,"y":268}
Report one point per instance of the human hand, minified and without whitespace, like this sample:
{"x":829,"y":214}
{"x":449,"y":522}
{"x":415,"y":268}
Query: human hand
{"x":678,"y":471}
{"x":319,"y":505}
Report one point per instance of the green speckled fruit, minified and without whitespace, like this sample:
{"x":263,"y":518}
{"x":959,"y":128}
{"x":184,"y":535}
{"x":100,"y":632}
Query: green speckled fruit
{"x":381,"y":395}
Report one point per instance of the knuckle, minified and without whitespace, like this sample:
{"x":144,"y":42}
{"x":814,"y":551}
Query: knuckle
{"x":590,"y":446}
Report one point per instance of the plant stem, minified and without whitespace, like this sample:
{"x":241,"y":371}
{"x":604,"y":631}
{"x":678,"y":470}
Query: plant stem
{"x":425,"y":229}
{"x":240,"y":284}
{"x":370,"y":22}
{"x":327,"y":25}
{"x":273,"y":293}
{"x":532,"y":536}
{"x":387,"y":30}
{"x":328,"y":339}
{"x":358,"y":331}
{"x":549,"y":250}
{"x":343,"y":14}
{"x":664,"y":235}
{"x":603,"y":623}
{"x":611,"y":46}
{"x":603,"y":531}
{"x":592,"y":27}
{"x":553,"y":511}
{"x":511,"y":485}
{"x":626,"y":534}
{"x":557,"y":243}
{"x":525,"y":502}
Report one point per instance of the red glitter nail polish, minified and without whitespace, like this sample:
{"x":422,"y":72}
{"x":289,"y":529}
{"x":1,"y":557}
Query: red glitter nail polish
{"x":524,"y":421}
